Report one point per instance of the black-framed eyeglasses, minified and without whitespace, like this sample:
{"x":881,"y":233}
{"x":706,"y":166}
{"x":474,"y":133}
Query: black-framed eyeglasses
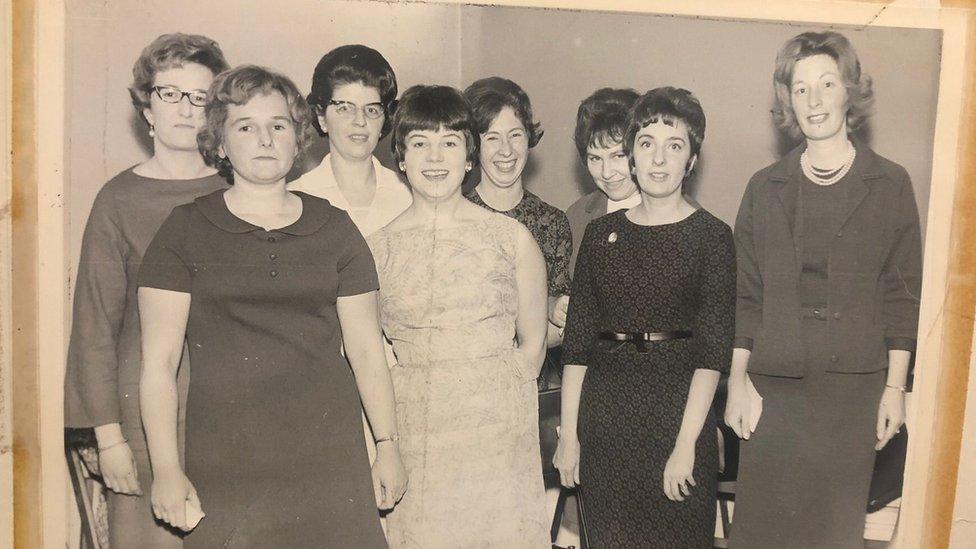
{"x":172,"y":94}
{"x":347,"y":109}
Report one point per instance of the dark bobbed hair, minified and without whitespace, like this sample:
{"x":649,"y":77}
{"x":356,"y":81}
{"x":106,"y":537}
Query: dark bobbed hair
{"x":171,"y":51}
{"x":237,"y":86}
{"x":489,"y":96}
{"x":429,"y":108}
{"x":860,"y":94}
{"x":601,"y":119}
{"x":666,"y":104}
{"x":347,"y":65}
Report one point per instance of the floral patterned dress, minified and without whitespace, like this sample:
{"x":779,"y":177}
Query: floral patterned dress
{"x":466,"y":407}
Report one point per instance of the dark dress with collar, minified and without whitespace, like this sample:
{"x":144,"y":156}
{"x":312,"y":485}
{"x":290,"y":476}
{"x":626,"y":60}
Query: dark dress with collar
{"x":678,"y":276}
{"x":274,"y":441}
{"x":828,"y":282}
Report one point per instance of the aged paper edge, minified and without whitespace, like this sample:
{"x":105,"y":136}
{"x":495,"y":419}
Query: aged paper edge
{"x":38,"y":255}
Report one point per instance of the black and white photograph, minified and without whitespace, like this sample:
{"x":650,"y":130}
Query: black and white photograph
{"x":354,"y":273}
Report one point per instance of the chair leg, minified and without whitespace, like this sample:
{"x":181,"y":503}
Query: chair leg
{"x":82,"y":498}
{"x":557,"y":517}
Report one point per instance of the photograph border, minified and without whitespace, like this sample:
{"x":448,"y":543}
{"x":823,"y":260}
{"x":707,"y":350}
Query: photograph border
{"x":33,"y":328}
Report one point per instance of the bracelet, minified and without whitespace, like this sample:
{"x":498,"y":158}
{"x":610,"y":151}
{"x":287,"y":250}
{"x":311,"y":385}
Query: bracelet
{"x":898,"y":387}
{"x":113,"y":445}
{"x":395,"y":437}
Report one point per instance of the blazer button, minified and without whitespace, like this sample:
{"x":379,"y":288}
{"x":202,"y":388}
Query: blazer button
{"x":273,"y":274}
{"x":271,"y":239}
{"x":273,"y":256}
{"x":840,"y":234}
{"x":836,"y":316}
{"x":833,"y":358}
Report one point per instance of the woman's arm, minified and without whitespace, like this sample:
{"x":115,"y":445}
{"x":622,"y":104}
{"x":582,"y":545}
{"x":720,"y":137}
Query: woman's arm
{"x":567,"y":454}
{"x":678,"y":472}
{"x":891,"y":410}
{"x":163,"y":316}
{"x":531,"y":324}
{"x":738,"y":413}
{"x":363,"y":342}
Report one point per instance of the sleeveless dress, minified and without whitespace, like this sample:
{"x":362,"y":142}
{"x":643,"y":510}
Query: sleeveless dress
{"x":467,"y":409}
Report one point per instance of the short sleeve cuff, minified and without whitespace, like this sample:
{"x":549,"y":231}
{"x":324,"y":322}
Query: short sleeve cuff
{"x":742,"y":342}
{"x":900,"y":344}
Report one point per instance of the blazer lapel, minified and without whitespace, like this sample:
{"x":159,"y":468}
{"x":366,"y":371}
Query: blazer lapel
{"x":864,"y":170}
{"x":597,"y":205}
{"x":786,"y":186}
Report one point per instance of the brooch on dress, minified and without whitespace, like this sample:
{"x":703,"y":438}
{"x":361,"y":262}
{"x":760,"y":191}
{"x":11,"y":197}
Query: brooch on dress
{"x":612,"y":238}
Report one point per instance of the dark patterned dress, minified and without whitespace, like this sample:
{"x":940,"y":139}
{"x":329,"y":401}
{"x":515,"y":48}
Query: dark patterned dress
{"x":634,"y":278}
{"x":550,"y":228}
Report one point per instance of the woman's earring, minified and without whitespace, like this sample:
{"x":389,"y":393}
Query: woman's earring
{"x":403,"y":167}
{"x":467,"y":167}
{"x":152,"y":130}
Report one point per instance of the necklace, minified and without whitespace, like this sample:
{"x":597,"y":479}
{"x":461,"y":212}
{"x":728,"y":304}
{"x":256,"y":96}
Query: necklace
{"x":827,"y":177}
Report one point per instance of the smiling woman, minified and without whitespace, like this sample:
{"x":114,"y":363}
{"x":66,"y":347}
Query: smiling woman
{"x":462,"y":298}
{"x":274,"y":278}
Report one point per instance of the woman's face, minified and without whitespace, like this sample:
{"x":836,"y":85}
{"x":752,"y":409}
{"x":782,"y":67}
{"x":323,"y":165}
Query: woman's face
{"x":435,"y":162}
{"x":353,"y":134}
{"x":504,"y":150}
{"x":610,"y":170}
{"x":175,"y":125}
{"x":662,"y":157}
{"x":819,"y":97}
{"x":260,"y":139}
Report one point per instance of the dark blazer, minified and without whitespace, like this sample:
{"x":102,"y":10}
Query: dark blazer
{"x":874,"y":268}
{"x":585,"y":209}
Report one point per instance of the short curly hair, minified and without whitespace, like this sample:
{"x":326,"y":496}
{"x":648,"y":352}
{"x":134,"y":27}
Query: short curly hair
{"x":860,"y":94}
{"x":601,"y":119}
{"x":430,"y":108}
{"x":488,"y":96}
{"x":238,"y":86}
{"x":666,"y":104}
{"x":170,"y":51}
{"x":347,"y":65}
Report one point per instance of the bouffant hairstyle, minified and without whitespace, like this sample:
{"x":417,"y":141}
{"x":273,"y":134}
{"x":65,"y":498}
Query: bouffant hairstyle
{"x":602,"y":119}
{"x":489,"y":96}
{"x":238,"y":86}
{"x":348,"y":65}
{"x":172,"y":51}
{"x":666,"y":105}
{"x":860,"y":94}
{"x":429,"y":108}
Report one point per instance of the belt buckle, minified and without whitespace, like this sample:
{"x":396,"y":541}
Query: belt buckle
{"x":641,"y":345}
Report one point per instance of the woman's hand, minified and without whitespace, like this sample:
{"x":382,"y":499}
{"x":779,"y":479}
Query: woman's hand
{"x":389,"y":476}
{"x":566,"y":460}
{"x":891,"y":415}
{"x":738,"y":413}
{"x":118,"y":468}
{"x":678,"y":473}
{"x":558,"y":308}
{"x":170,"y":493}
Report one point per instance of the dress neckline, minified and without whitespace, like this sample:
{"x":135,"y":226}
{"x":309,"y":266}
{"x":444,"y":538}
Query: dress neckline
{"x":623,"y":214}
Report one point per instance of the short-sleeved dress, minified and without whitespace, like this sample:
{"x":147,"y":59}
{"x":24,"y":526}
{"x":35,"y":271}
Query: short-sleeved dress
{"x":274,"y":442}
{"x":634,"y":278}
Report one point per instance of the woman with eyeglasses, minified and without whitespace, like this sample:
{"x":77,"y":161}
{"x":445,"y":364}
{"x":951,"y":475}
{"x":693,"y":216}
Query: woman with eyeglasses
{"x":353,"y":95}
{"x":169,"y":92}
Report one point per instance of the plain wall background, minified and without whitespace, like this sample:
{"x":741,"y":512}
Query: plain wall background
{"x":558,"y":57}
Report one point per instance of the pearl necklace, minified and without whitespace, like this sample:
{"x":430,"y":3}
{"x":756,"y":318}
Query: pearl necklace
{"x":811,"y":172}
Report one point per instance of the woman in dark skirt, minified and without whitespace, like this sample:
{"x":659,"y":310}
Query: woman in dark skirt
{"x":829,"y":273}
{"x":262,"y":283}
{"x":649,"y":330}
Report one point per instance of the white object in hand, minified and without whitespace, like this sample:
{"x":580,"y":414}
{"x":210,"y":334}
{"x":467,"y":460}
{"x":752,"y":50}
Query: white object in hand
{"x":194,"y":514}
{"x":755,"y":404}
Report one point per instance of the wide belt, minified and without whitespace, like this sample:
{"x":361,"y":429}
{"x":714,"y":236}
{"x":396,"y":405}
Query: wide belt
{"x":641,"y":339}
